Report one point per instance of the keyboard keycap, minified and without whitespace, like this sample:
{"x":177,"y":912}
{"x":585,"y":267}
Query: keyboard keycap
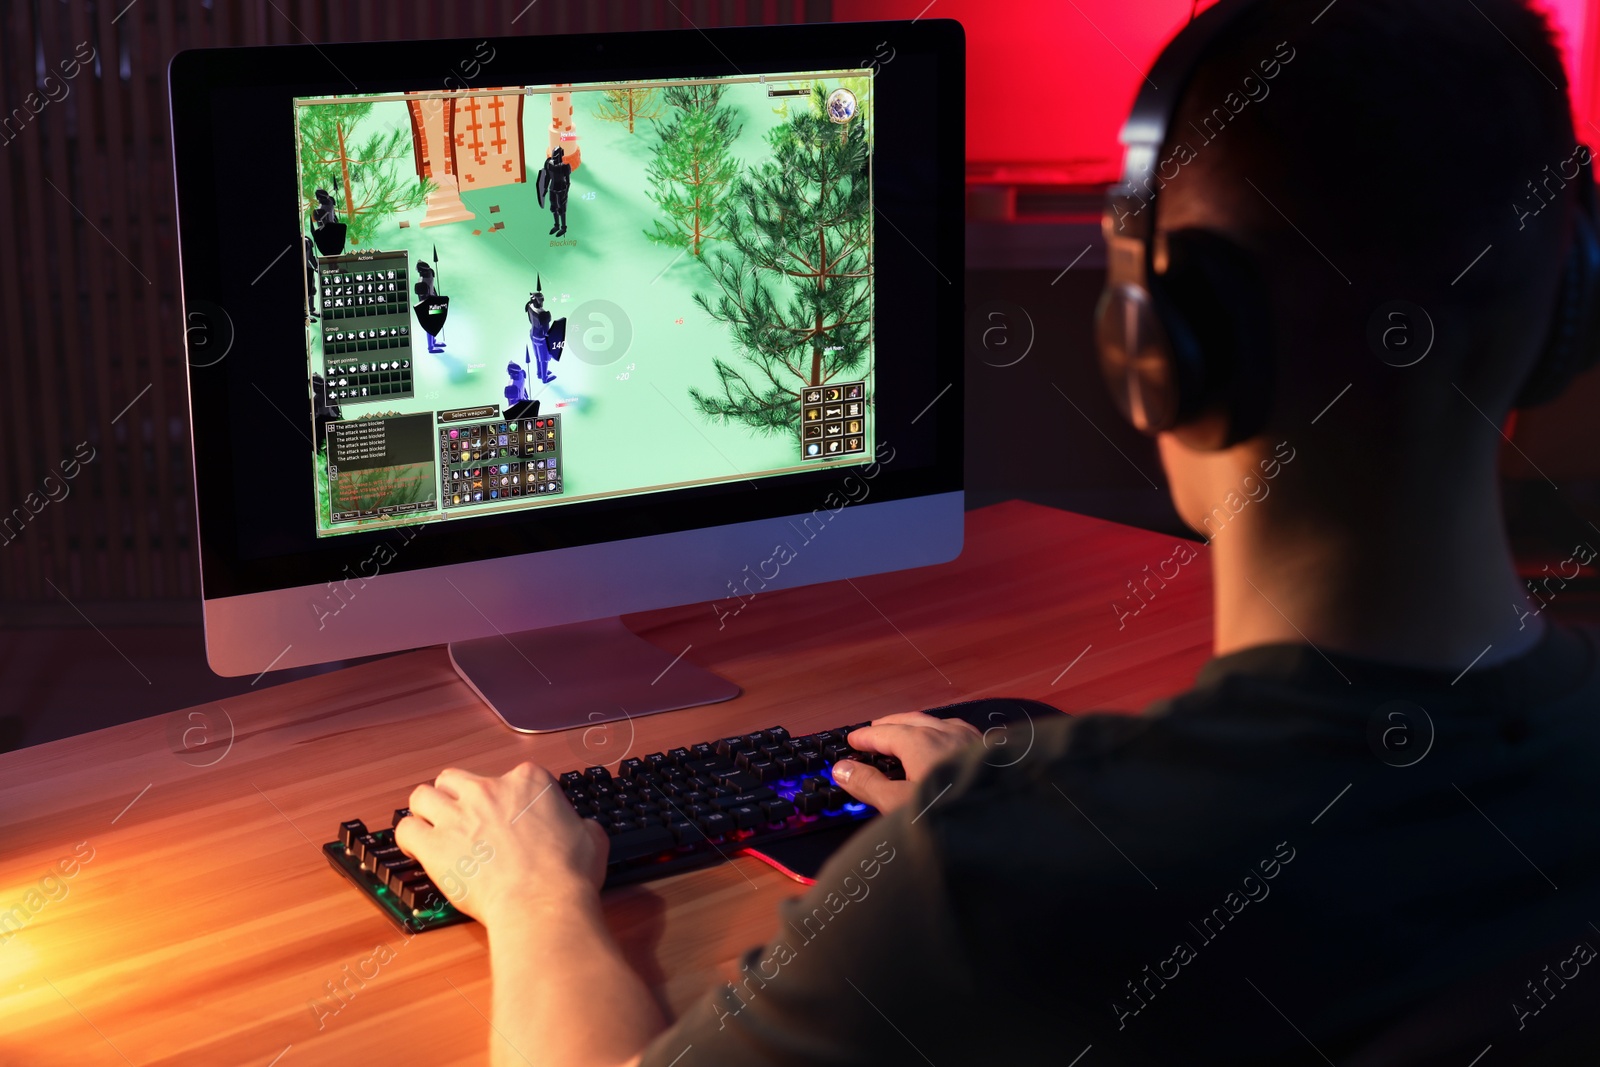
{"x":351,"y":832}
{"x":742,"y":781}
{"x":394,"y":875}
{"x":745,"y":816}
{"x":399,"y":813}
{"x":777,"y":810}
{"x":381,"y":857}
{"x":419,"y":894}
{"x":371,"y":843}
{"x":638,"y":843}
{"x":755,"y":796}
{"x":715,"y":824}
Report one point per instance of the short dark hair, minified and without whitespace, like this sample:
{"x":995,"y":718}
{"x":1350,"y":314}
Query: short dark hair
{"x":1400,"y":138}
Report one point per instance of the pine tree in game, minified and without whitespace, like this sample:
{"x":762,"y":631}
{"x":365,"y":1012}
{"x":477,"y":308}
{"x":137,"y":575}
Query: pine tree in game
{"x":693,"y":170}
{"x":796,"y":284}
{"x":630,"y":105}
{"x":695,"y":97}
{"x":370,"y":176}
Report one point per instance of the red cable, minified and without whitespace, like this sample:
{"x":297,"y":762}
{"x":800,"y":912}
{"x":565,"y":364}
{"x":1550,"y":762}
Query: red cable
{"x":777,"y":866}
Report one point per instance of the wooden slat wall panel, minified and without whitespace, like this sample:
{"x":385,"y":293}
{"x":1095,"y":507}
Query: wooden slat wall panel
{"x":92,"y":342}
{"x":20,"y":554}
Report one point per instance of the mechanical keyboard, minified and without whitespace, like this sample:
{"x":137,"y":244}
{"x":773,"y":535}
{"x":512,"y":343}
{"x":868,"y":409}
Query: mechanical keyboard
{"x":665,"y":812}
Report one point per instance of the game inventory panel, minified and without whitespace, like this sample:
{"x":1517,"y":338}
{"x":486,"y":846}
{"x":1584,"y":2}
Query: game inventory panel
{"x":833,"y":420}
{"x":481,"y":462}
{"x":366,"y":326}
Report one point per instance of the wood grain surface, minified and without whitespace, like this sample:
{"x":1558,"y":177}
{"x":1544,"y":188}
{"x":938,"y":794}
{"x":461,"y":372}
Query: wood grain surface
{"x":163,"y":899}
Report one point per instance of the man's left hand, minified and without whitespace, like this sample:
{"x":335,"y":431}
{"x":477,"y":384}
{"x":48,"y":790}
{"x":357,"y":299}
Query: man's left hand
{"x":497,"y":846}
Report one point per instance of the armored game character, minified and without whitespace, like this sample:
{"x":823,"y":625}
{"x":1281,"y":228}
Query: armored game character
{"x":539,"y":332}
{"x":555,"y":181}
{"x":427,"y":291}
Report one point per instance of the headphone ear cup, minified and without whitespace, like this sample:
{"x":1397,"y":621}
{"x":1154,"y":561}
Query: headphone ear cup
{"x":1136,"y":358}
{"x":1214,"y":304}
{"x":1574,"y":342}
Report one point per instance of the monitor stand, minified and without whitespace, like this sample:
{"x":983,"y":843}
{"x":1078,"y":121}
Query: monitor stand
{"x":581,"y":674}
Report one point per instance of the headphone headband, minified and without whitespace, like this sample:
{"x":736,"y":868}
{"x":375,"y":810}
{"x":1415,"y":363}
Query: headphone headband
{"x":1144,"y":134}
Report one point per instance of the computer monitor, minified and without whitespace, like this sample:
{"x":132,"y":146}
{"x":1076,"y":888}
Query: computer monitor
{"x":491,"y":341}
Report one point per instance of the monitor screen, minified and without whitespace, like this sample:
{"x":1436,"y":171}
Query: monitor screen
{"x":535,"y":329}
{"x":525,"y":297}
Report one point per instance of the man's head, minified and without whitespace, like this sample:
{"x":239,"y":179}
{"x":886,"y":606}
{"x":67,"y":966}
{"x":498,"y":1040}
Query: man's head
{"x":1409,"y":150}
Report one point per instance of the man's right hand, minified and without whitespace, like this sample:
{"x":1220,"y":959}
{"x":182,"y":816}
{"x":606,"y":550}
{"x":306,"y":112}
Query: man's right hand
{"x":918,"y":740}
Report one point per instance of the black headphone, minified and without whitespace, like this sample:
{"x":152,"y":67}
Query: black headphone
{"x":1186,"y":350}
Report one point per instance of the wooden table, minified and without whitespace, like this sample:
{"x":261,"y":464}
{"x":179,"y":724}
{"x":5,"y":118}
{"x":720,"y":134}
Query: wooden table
{"x":199,"y":923}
